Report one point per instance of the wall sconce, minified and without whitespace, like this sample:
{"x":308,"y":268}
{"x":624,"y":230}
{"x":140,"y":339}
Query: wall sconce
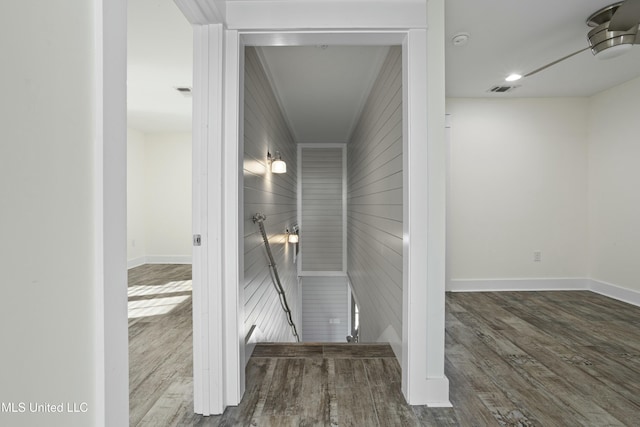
{"x":277,"y":164}
{"x":292,"y":236}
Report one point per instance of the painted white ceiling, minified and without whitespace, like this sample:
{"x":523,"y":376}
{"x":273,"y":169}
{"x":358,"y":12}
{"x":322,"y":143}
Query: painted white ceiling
{"x":322,"y":90}
{"x":160,"y":58}
{"x":520,"y":36}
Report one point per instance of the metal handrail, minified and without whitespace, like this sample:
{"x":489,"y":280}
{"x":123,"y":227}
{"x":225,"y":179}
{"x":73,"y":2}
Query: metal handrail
{"x":259,"y":218}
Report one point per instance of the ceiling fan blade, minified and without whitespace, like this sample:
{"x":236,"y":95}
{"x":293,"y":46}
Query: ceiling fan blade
{"x":537,"y":70}
{"x":627,"y":15}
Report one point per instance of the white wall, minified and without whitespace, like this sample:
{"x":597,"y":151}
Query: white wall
{"x":158,"y":197}
{"x":325,"y":309}
{"x":374,"y":207}
{"x":272,"y":194}
{"x":46,"y":220}
{"x":136,"y":197}
{"x":518,"y":184}
{"x":168,"y":197}
{"x":614,"y":175}
{"x":322,"y":211}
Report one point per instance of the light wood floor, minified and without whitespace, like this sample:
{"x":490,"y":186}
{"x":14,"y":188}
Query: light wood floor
{"x":512,"y":359}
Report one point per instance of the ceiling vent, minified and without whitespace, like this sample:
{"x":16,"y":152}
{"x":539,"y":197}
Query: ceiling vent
{"x":502,"y":89}
{"x":184,"y":90}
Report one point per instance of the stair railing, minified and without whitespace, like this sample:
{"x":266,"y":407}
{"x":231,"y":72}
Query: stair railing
{"x":259,"y":219}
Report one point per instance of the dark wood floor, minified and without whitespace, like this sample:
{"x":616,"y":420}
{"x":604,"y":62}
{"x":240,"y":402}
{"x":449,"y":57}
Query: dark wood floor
{"x":512,"y":358}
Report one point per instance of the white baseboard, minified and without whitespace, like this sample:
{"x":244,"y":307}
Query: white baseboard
{"x":136,"y":262}
{"x":610,"y":290}
{"x":629,"y":296}
{"x":169,"y":259}
{"x":253,"y":337}
{"x":159,"y":259}
{"x":390,"y":336}
{"x":495,"y":285}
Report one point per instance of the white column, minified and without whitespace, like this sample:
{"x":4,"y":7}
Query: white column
{"x":437,"y":383}
{"x":423,"y":379}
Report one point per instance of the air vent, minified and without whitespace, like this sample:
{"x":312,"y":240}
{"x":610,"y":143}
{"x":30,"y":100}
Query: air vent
{"x":185,"y":90}
{"x":502,"y":89}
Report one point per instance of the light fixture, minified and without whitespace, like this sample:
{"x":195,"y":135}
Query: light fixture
{"x":513,"y":77}
{"x":277,"y":164}
{"x":292,"y":236}
{"x":606,"y":43}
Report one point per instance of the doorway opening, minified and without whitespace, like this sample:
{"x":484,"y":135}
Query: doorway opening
{"x":159,"y":205}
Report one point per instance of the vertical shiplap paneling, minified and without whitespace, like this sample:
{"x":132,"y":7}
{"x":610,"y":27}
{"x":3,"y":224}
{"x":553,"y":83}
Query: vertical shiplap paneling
{"x":374,"y":213}
{"x":325,"y":309}
{"x":322,"y":207}
{"x":272,"y":194}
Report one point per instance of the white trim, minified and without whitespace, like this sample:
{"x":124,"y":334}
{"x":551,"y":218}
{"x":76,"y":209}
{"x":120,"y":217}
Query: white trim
{"x":233,"y":292}
{"x":212,"y":287}
{"x":136,"y":262}
{"x":630,"y":296}
{"x":331,"y":37}
{"x":203,"y":12}
{"x":199,"y":219}
{"x":322,"y":145}
{"x":322,"y":273}
{"x":344,"y":209}
{"x":294,"y":15}
{"x":300,"y":224}
{"x":111,"y":357}
{"x":522,"y":284}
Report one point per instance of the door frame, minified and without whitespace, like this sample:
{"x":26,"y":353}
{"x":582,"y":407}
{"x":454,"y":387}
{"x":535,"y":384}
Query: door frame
{"x":218,"y":308}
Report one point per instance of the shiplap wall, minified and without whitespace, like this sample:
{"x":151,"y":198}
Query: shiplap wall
{"x":325,"y":309}
{"x":272,"y":194}
{"x":374,"y":212}
{"x":321,"y":231}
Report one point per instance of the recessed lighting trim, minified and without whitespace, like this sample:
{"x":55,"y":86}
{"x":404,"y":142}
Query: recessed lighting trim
{"x":513,"y":77}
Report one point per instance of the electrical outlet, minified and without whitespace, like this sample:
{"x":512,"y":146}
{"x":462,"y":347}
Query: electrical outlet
{"x":537,"y":256}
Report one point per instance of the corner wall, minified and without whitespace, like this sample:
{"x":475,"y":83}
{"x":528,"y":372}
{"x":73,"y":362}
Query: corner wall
{"x":614,"y":198}
{"x":275,"y":195}
{"x":158,"y":197}
{"x":518,"y":184}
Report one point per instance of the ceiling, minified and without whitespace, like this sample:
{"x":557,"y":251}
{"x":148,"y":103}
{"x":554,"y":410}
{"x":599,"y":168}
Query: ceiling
{"x":520,"y":36}
{"x":159,"y":59}
{"x":322,"y":90}
{"x":321,"y":85}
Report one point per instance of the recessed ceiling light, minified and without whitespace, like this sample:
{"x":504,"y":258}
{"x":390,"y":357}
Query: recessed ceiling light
{"x":513,"y":77}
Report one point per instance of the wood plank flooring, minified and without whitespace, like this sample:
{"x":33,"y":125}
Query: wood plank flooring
{"x":512,"y":359}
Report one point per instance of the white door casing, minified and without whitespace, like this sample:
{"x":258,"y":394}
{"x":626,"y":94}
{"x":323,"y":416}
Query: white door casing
{"x":217,"y":146}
